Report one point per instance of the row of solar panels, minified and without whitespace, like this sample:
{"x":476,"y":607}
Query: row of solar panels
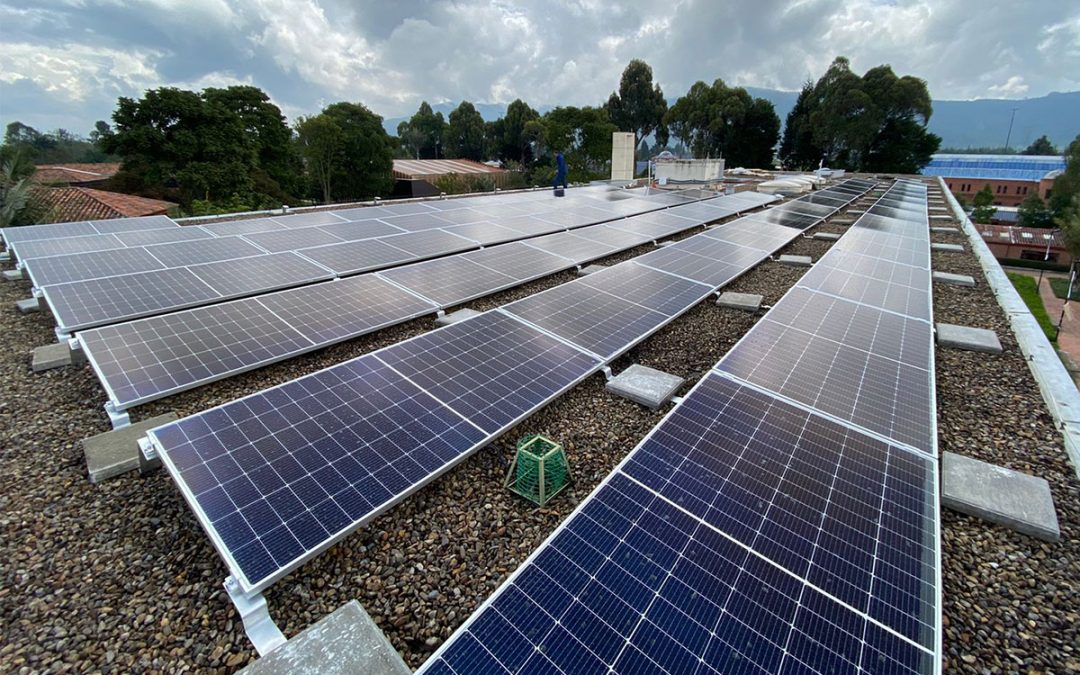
{"x":142,"y":360}
{"x":207,"y":271}
{"x":278,"y":476}
{"x":747,"y":533}
{"x":52,"y":231}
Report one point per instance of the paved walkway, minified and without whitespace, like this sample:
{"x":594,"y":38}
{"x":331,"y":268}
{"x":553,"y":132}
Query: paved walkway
{"x":1069,"y":338}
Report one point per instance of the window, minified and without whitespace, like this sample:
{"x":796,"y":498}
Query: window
{"x":1038,"y":255}
{"x":1018,"y":188}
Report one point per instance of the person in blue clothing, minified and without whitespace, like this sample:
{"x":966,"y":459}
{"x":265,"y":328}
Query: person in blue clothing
{"x":560,"y":171}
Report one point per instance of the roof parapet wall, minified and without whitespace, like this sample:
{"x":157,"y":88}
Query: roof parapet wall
{"x":1057,"y":387}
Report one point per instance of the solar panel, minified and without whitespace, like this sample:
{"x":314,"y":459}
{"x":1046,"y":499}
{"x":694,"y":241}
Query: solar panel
{"x":531,"y":225}
{"x":59,"y":269}
{"x":572,"y":247}
{"x":647,"y":287}
{"x":646,"y":225}
{"x":872,"y":281}
{"x":787,"y":218}
{"x":606,"y":234}
{"x":94,"y":302}
{"x":345,"y":308}
{"x":430,"y":243}
{"x":252,"y":226}
{"x":691,"y":266}
{"x":742,"y":536}
{"x":885,"y":246}
{"x":417,"y":222}
{"x":184,"y":253}
{"x":449,"y":281}
{"x":485,"y":232}
{"x":902,"y":214}
{"x":753,"y":233}
{"x":491,"y":369}
{"x":867,"y":370}
{"x":360,"y":229}
{"x":25,"y":250}
{"x":519,"y":261}
{"x":804,"y":206}
{"x":396,"y":209}
{"x":357,"y":256}
{"x":905,"y":228}
{"x":456,"y":217}
{"x":308,"y":219}
{"x":142,"y":360}
{"x":600,"y":323}
{"x":277,"y":476}
{"x":294,"y":239}
{"x":49,"y":231}
{"x":162,"y":236}
{"x":115,"y":225}
{"x":245,"y":276}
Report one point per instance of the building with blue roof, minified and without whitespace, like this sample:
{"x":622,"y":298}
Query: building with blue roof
{"x":1011,"y":177}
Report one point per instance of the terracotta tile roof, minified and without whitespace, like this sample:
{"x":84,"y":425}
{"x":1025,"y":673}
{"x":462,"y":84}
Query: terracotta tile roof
{"x":1027,"y":236}
{"x":68,"y":204}
{"x":411,"y":168}
{"x":52,"y":174}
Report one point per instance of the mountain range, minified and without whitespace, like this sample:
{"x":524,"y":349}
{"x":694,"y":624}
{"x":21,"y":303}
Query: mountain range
{"x":961,"y":124}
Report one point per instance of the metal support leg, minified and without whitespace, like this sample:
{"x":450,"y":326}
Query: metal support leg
{"x":607,"y":372}
{"x":118,"y":418}
{"x":260,"y":628}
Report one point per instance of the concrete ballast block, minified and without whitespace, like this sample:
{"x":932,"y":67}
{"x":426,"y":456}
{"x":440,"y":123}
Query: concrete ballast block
{"x":13,"y":275}
{"x":1003,"y":496}
{"x":796,"y":260}
{"x":953,"y":279}
{"x":28,"y":305}
{"x":649,"y":387}
{"x":826,"y":236}
{"x":55,"y":355}
{"x":115,"y":452}
{"x":745,"y":301}
{"x":590,"y":269}
{"x":945,"y":230}
{"x":939,"y":216}
{"x":343,"y":642}
{"x":454,"y":317}
{"x":951,"y":248}
{"x":965,"y":337}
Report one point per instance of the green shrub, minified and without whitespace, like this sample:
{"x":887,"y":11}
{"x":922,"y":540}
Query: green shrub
{"x":1029,"y":292}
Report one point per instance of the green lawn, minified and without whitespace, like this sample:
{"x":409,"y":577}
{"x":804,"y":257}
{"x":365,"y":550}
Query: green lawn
{"x":1025,"y":286}
{"x":1061,"y":288}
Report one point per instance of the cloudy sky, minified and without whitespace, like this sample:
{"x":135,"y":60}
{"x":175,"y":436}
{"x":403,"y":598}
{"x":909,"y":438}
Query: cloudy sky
{"x":64,"y":62}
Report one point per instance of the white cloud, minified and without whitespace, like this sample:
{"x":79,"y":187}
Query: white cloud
{"x":1014,"y":87}
{"x":74,"y":72}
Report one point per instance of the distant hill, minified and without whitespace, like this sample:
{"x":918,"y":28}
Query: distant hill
{"x":961,"y":124}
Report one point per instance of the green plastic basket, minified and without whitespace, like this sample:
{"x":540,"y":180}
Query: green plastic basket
{"x":539,"y":470}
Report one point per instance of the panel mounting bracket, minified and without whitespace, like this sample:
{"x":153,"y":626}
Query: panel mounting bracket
{"x":118,"y":418}
{"x":607,"y":372}
{"x":61,"y":335}
{"x":260,"y":628}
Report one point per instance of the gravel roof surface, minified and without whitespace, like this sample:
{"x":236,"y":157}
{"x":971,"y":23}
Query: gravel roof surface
{"x":119,"y":577}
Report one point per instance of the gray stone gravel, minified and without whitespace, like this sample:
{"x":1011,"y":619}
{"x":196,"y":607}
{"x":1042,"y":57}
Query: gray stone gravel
{"x":119,"y":577}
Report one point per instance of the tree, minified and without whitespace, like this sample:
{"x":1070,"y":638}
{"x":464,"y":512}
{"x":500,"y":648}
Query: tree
{"x":366,"y":161}
{"x":511,"y":136}
{"x":15,"y":187}
{"x":639,"y":105}
{"x":321,"y":144}
{"x":984,"y":209}
{"x":464,"y":137}
{"x":1033,"y":212}
{"x":583,"y":135}
{"x":717,"y":120}
{"x":423,"y":132}
{"x":54,"y":147}
{"x":876,"y":122}
{"x":1066,"y":188}
{"x":1040,"y":146}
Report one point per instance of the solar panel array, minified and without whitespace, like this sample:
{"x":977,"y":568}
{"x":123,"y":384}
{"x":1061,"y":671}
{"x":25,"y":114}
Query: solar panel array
{"x":280,"y":475}
{"x":11,"y":235}
{"x":383,"y":236}
{"x":134,"y":369}
{"x":993,"y":167}
{"x":747,"y":533}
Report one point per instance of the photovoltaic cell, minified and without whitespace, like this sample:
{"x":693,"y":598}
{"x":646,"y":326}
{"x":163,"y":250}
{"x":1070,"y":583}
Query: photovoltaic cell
{"x":753,"y":234}
{"x":308,"y":219}
{"x":490,"y":369}
{"x":49,"y":231}
{"x":531,"y":225}
{"x":275,"y":476}
{"x":245,"y":276}
{"x":430,"y":243}
{"x":293,"y":239}
{"x":344,"y":308}
{"x":234,"y":227}
{"x":94,"y":302}
{"x":692,"y":266}
{"x":658,"y":291}
{"x":44,"y":247}
{"x":449,"y":281}
{"x":162,"y":236}
{"x":786,"y":217}
{"x":884,"y":245}
{"x":115,"y":225}
{"x":872,"y":281}
{"x":519,"y":261}
{"x":184,"y":253}
{"x":608,"y":235}
{"x":603,"y":324}
{"x":59,"y":269}
{"x":485,"y":232}
{"x":357,"y":256}
{"x":357,"y":230}
{"x":572,"y":247}
{"x":141,"y":360}
{"x":417,"y":222}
